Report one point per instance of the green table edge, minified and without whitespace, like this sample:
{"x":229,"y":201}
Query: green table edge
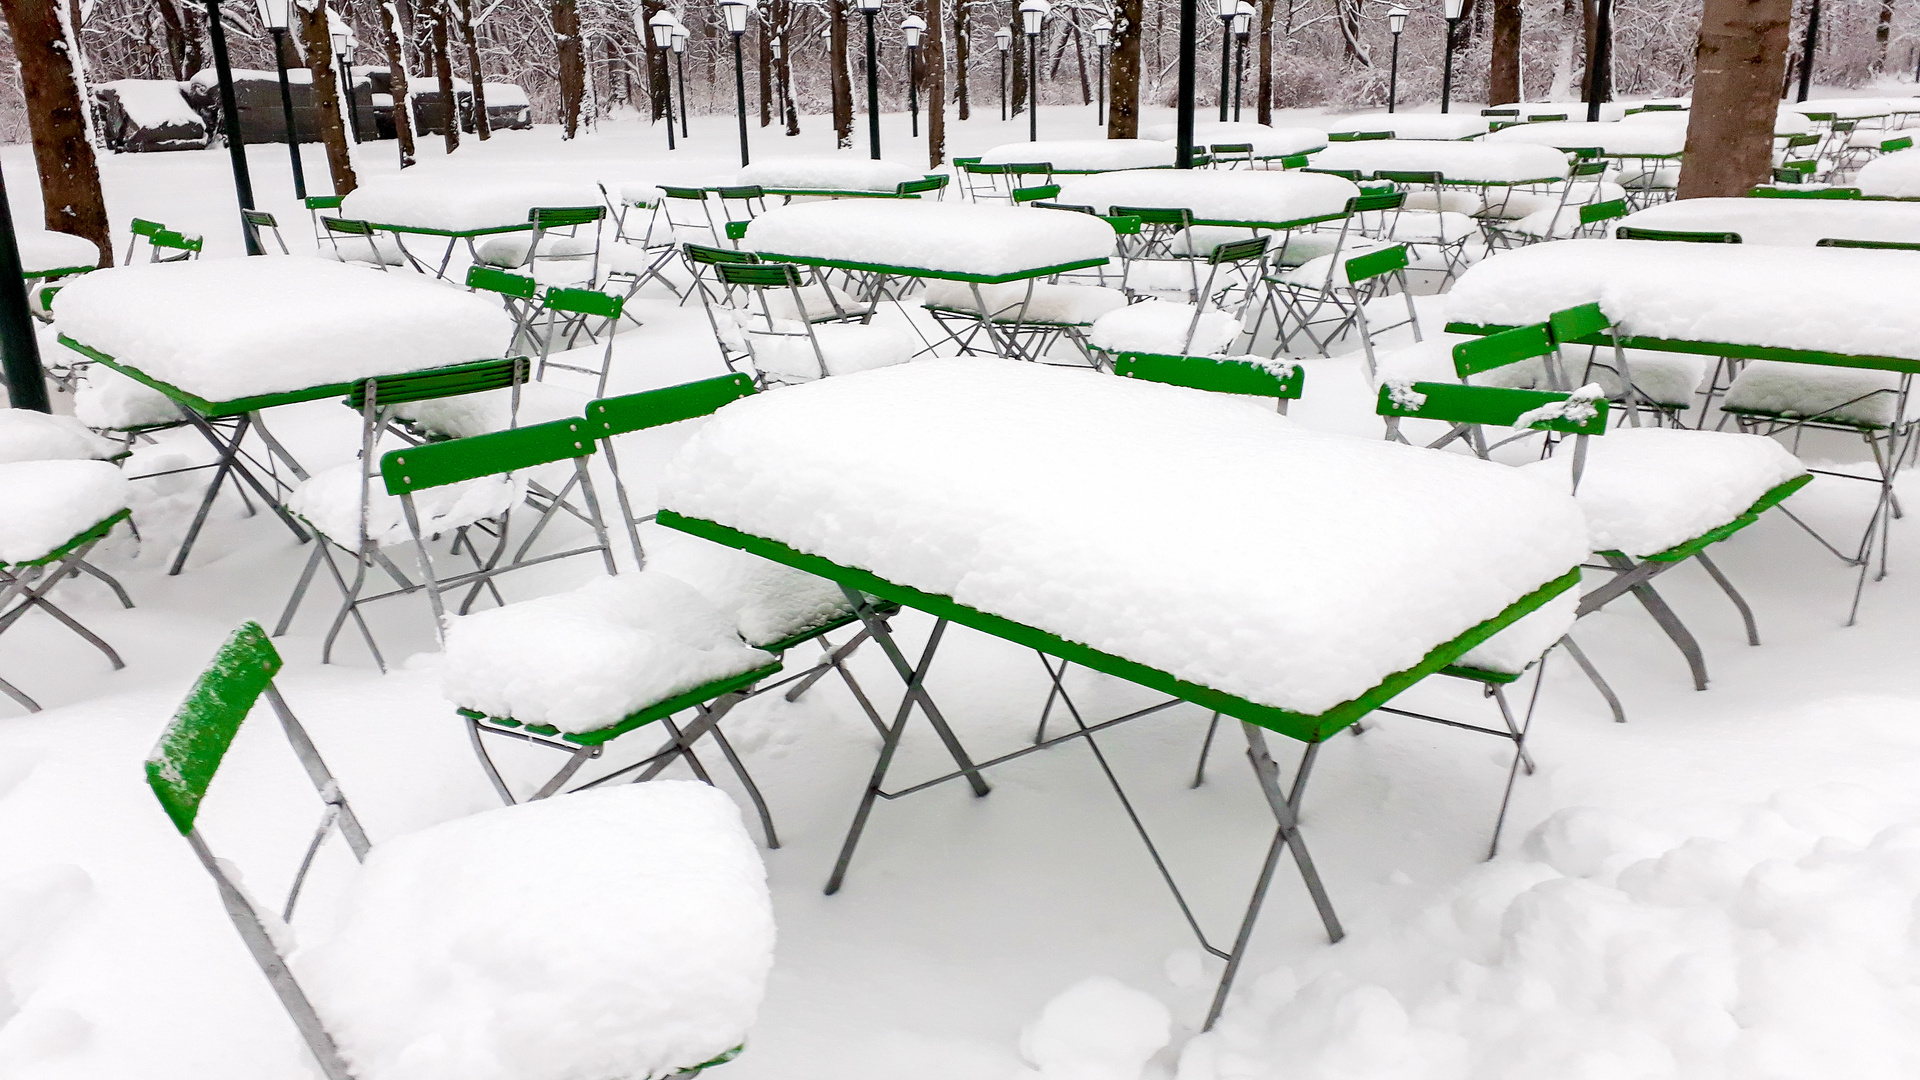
{"x":923,"y":272}
{"x":91,"y":533}
{"x":1302,"y":726}
{"x":209,"y":409}
{"x":456,"y":234}
{"x":600,"y":736}
{"x":1720,"y":348}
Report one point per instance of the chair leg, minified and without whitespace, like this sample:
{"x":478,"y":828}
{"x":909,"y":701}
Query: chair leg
{"x":349,"y":606}
{"x":1669,"y":622}
{"x":486,"y":763}
{"x":1593,"y":676}
{"x":1206,"y":744}
{"x":1733,"y":594}
{"x":300,"y":588}
{"x":11,"y":691}
{"x":753,"y":789}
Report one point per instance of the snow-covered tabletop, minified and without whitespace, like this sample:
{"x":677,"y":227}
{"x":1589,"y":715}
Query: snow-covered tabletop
{"x":844,"y":172}
{"x":1831,"y":300}
{"x":1792,"y":222}
{"x":1412,"y":125}
{"x":42,"y":252}
{"x":1891,"y":176}
{"x":1267,"y":142}
{"x":456,"y":201}
{"x":1613,"y":138}
{"x":223,"y":330}
{"x":1856,"y":108}
{"x":1257,"y":195}
{"x":1195,"y":534}
{"x":1456,"y":162}
{"x":1785,"y":121}
{"x":931,"y":239}
{"x":1084,"y":155}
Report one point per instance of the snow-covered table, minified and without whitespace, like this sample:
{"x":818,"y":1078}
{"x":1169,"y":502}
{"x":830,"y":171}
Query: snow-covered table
{"x":1472,"y":163}
{"x":1254,"y":199}
{"x":1442,"y":126}
{"x":1085,"y":155}
{"x":228,"y":338}
{"x":1856,"y":108}
{"x":1891,"y":176}
{"x":1268,"y":143}
{"x":45,"y":254}
{"x":843,"y":175}
{"x":1194,"y":544}
{"x":458,"y":207}
{"x":1610,"y":138}
{"x":1788,"y":222}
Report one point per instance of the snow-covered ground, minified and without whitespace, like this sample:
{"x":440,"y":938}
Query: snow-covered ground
{"x":1726,"y":886}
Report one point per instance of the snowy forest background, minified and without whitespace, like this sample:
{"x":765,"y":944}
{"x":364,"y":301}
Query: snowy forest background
{"x":1329,"y":53}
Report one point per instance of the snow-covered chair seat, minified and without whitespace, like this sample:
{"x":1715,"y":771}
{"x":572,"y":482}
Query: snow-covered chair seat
{"x":1431,"y":360}
{"x":1449,"y":200}
{"x":1161,"y":326}
{"x":329,"y":500}
{"x":771,"y":604}
{"x":1050,"y":303}
{"x":509,"y":250}
{"x":379,"y":249}
{"x":56,"y":511}
{"x":1781,"y":390}
{"x":789,"y":352}
{"x":26,"y":435}
{"x":1314,"y":271}
{"x":106,"y":400}
{"x":1666,"y":380}
{"x":458,"y":950}
{"x":492,"y":410}
{"x":1434,"y":226}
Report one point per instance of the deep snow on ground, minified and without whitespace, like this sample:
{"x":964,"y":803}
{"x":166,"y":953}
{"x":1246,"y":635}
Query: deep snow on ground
{"x":1724,"y":886}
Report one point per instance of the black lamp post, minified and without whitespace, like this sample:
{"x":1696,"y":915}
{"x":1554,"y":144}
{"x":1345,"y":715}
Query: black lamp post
{"x":1226,"y":11}
{"x":735,"y":13}
{"x":1806,"y":54}
{"x":661,"y":26}
{"x":1187,"y":97}
{"x":1396,"y":22}
{"x":1003,"y":40}
{"x":912,"y":27}
{"x":274,"y":15}
{"x":871,"y":8}
{"x":343,"y":48}
{"x":1033,"y":13}
{"x":1454,"y":9}
{"x":1600,"y":83}
{"x":230,"y":120}
{"x":679,"y":43}
{"x":19,"y":343}
{"x":1242,"y":26}
{"x":1102,"y":40}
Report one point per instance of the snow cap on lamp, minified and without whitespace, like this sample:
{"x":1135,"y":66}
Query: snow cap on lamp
{"x":1032,"y":14}
{"x":912,"y":27}
{"x":1397,"y":19}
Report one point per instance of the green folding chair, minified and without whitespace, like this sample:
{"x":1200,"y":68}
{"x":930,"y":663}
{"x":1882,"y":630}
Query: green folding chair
{"x":913,"y":189}
{"x":1681,"y":236}
{"x":1281,"y":380}
{"x":545,"y":246}
{"x":569,"y":313}
{"x":362,"y":237}
{"x":25,"y":582}
{"x":141,"y":229}
{"x":781,"y":325}
{"x":1310,"y":293}
{"x":517,"y":293}
{"x":1037,"y":193}
{"x":1231,"y":155}
{"x":258,"y":223}
{"x":315,"y":204}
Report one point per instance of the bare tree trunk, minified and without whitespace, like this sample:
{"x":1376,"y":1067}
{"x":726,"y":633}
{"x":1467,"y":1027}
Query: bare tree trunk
{"x":573,"y":65}
{"x":1882,"y":32}
{"x":1737,"y":70}
{"x":783,"y":63}
{"x":318,"y":45}
{"x":482,"y":126}
{"x":443,"y":68}
{"x":1019,"y":50}
{"x":765,"y":33}
{"x":962,"y":49}
{"x":1503,"y":74}
{"x":57,"y":117}
{"x":397,"y":65}
{"x":842,"y":78}
{"x":1080,"y":55}
{"x":1589,"y":36}
{"x":1123,"y":88}
{"x":1348,"y":13}
{"x":1265,"y":94}
{"x":183,"y":38}
{"x":934,"y":56}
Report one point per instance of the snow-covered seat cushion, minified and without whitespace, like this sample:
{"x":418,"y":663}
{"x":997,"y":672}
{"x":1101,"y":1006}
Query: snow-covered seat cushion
{"x":1431,"y":360}
{"x":1520,"y":205}
{"x":26,"y":435}
{"x":1430,"y":226}
{"x":585,"y":659}
{"x":1314,"y":271}
{"x":492,"y":410}
{"x":1860,"y":396}
{"x":769,"y":602}
{"x":1656,"y":178}
{"x":1200,"y":240}
{"x":1160,"y":326}
{"x":50,"y":502}
{"x":817,"y":299}
{"x":1164,"y":277}
{"x":630,"y":259}
{"x":509,"y":250}
{"x":1451,"y":200}
{"x":846,"y":347}
{"x":1514,"y":649}
{"x":1304,"y":247}
{"x":346,"y":248}
{"x":1664,"y":378}
{"x":330,"y":502}
{"x":1076,"y":305}
{"x":1645,"y":490}
{"x":106,"y":400}
{"x":625,"y":932}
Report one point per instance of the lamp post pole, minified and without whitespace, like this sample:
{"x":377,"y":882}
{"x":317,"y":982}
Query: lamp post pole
{"x":1242,"y":26}
{"x":1102,"y":37}
{"x":1227,"y":8}
{"x":286,"y":111}
{"x":1806,"y":53}
{"x":1396,"y":22}
{"x":735,"y":13}
{"x":871,"y":8}
{"x":680,"y":36}
{"x":1601,"y":81}
{"x":19,"y":343}
{"x":1003,"y":40}
{"x":661,"y":26}
{"x":911,"y":28}
{"x":343,"y":47}
{"x":230,"y":119}
{"x":1454,"y":10}
{"x":1183,"y":121}
{"x":1033,"y":13}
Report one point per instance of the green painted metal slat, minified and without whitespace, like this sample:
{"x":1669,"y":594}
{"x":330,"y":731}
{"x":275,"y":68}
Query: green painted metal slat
{"x":188,"y":754}
{"x":607,"y":417}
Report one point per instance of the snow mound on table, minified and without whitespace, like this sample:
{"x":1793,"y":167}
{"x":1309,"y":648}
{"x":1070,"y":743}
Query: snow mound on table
{"x":1854,"y":395}
{"x":224,"y":329}
{"x":827,"y":173}
{"x":1895,"y":175}
{"x":1796,"y":222}
{"x":1266,"y":141}
{"x":1161,"y":326}
{"x":584,"y":659}
{"x":768,"y":601}
{"x":1231,"y":195}
{"x":1411,"y":125}
{"x":109,"y":401}
{"x":50,"y":502}
{"x":1516,"y":647}
{"x":1198,"y":534}
{"x":1459,"y":162}
{"x":953,"y":238}
{"x":330,"y":502}
{"x":1097,"y":1029}
{"x":1084,"y":154}
{"x":1048,"y":302}
{"x":26,"y":435}
{"x":1609,"y":137}
{"x":1762,"y":948}
{"x":1646,"y":489}
{"x":457,"y":202}
{"x":41,"y":250}
{"x":492,"y":410}
{"x":623,"y":932}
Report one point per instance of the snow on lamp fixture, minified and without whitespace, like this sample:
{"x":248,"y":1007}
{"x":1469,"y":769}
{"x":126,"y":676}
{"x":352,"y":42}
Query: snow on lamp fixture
{"x":1102,"y":34}
{"x":1456,"y":8}
{"x":1032,"y":14}
{"x":662,"y":27}
{"x":1102,"y":40}
{"x":870,"y":6}
{"x":1396,"y":22}
{"x":1242,"y":19}
{"x":911,"y":28}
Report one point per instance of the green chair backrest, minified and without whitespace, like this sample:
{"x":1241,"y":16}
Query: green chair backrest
{"x":1794,"y":142}
{"x":1500,"y":110}
{"x":693,"y":193}
{"x":759,"y":275}
{"x":975,"y":165}
{"x":1358,"y":136}
{"x":963,"y":162}
{"x":1499,"y":350}
{"x":1546,"y":118}
{"x":1375,"y":263}
{"x":190,"y":750}
{"x":1124,"y":224}
{"x":431,"y":465}
{"x":743,"y":191}
{"x":1603,"y":211}
{"x":259,"y":219}
{"x":1499,"y":406}
{"x":1155,"y":215}
{"x":1900,"y":143}
{"x":442,"y":382}
{"x":712,"y":256}
{"x":1232,"y":148}
{"x":1235,"y":251}
{"x":1585,"y":154}
{"x":1589,"y":168}
{"x":1294,"y":161}
{"x":915,"y":187}
{"x":143,"y":227}
{"x":607,"y":417}
{"x":584,"y":302}
{"x":1344,"y":174}
{"x":1074,"y":207}
{"x":564,"y":217}
{"x":1399,"y":176}
{"x":1663,"y":108}
{"x":167,"y":238}
{"x":1365,"y":204}
{"x":1221,"y":375}
{"x":348,"y":226}
{"x":1030,"y":168}
{"x":324,"y":202}
{"x":1763,"y":191}
{"x":1876,"y":245}
{"x":1630,"y":232}
{"x":1574,"y":323}
{"x":1035,"y":193}
{"x":495,"y":280}
{"x":1840,"y":127}
{"x":737,"y":230}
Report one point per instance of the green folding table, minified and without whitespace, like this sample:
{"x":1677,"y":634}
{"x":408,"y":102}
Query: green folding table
{"x":458,"y":209}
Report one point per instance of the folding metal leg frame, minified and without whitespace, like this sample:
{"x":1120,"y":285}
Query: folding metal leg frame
{"x":1284,"y":805}
{"x":1637,"y":578}
{"x":234,"y":461}
{"x":23,"y":588}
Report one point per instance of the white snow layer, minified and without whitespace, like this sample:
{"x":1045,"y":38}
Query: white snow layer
{"x":582,"y":660}
{"x":42,"y":250}
{"x":1895,"y":175}
{"x":26,"y":435}
{"x":1790,"y":222}
{"x":1613,"y":137}
{"x":844,"y":172}
{"x":1299,"y":577}
{"x":845,"y":348}
{"x":493,"y":410}
{"x":153,"y":103}
{"x":768,"y":601}
{"x":950,"y":238}
{"x":1216,"y":195}
{"x":1828,"y":299}
{"x":1266,"y":141}
{"x":1439,"y":126}
{"x":1161,"y":326}
{"x":224,"y":329}
{"x":1457,"y":162}
{"x":621,"y":932}
{"x":1853,"y":108}
{"x":1097,"y":1029}
{"x":1084,"y":155}
{"x":50,"y":502}
{"x":1513,"y":649}
{"x":1646,"y":489}
{"x":1854,"y":395}
{"x":330,"y":501}
{"x":109,"y":401}
{"x":1051,"y":303}
{"x":457,"y":201}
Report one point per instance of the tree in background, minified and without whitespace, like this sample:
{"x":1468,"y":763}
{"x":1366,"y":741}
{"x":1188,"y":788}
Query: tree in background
{"x":59,"y":119}
{"x":933,"y":59}
{"x":481,"y":125}
{"x":842,"y":78}
{"x":443,"y":70}
{"x":1503,"y":74}
{"x":1017,"y":94}
{"x":1264,"y":91}
{"x":1123,"y":84}
{"x":317,"y":42}
{"x":565,"y":16}
{"x":397,"y":67}
{"x":961,"y":52}
{"x":1737,"y":70}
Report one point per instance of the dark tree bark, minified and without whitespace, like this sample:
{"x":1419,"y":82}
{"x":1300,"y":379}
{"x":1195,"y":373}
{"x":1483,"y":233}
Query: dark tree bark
{"x":842,"y":78}
{"x":1265,"y":94}
{"x":57,"y":118}
{"x":782,"y":14}
{"x":397,"y":65}
{"x":315,"y":42}
{"x":443,"y":69}
{"x":1123,"y":80}
{"x":933,"y":55}
{"x":961,"y":51}
{"x":1882,"y":32}
{"x":481,"y":125}
{"x":1737,"y":70}
{"x":1080,"y":55}
{"x":573,"y":64}
{"x":659,"y":78}
{"x":1018,"y":92}
{"x":1589,"y":35}
{"x":181,"y":25}
{"x":764,"y":32}
{"x":1503,"y":74}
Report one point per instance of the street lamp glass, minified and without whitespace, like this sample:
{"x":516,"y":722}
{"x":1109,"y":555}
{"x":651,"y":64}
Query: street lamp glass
{"x":680,"y":36}
{"x":1003,"y":39}
{"x":1455,"y":8}
{"x":662,"y":26}
{"x":274,"y":14}
{"x":340,"y":43}
{"x":867,"y":6}
{"x":912,"y":27}
{"x":1226,"y":8}
{"x":735,"y":13}
{"x":1397,"y":20}
{"x":1102,"y":33}
{"x":1032,"y":14}
{"x":1242,"y":18}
